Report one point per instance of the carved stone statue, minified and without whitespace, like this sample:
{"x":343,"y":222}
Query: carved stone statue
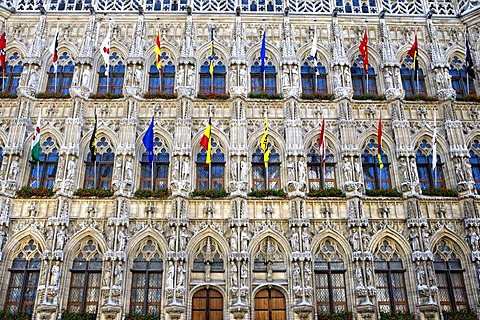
{"x":233,"y":170}
{"x":347,"y":170}
{"x":290,"y":170}
{"x":294,"y":241}
{"x":55,"y":275}
{"x":191,"y":77}
{"x":180,"y":275}
{"x":86,"y":77}
{"x":129,"y":170}
{"x":175,"y":169}
{"x":244,"y":238}
{"x":180,"y":76}
{"x":71,"y":170}
{"x":243,"y":77}
{"x":302,"y":171}
{"x":170,"y":274}
{"x":33,"y":81}
{"x":186,"y":169}
{"x":244,"y":170}
{"x":286,"y":77}
{"x":13,"y":170}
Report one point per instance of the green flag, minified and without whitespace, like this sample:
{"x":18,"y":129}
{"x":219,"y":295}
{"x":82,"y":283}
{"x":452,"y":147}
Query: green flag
{"x":36,"y":141}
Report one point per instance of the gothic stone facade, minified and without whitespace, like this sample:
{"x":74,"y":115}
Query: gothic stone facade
{"x":240,"y":257}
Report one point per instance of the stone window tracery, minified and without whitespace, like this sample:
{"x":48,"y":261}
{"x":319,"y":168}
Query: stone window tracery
{"x":319,"y":6}
{"x":114,"y":82}
{"x":318,"y":178}
{"x":474,"y":161}
{"x":213,"y":83}
{"x":263,"y":82}
{"x":61,"y":81}
{"x":208,"y":258}
{"x":314,"y":77}
{"x":356,"y":6}
{"x":269,"y":258}
{"x":373,"y":176}
{"x":162,"y":81}
{"x":429,"y":178}
{"x":359,"y":78}
{"x":403,"y":6}
{"x":266,"y":178}
{"x":463,"y":84}
{"x":441,"y":7}
{"x":99,"y":175}
{"x":410,"y":85}
{"x":43,"y":172}
{"x":11,"y":80}
{"x":211,"y":177}
{"x":262,"y":5}
{"x":160,"y":164}
{"x":214,"y":5}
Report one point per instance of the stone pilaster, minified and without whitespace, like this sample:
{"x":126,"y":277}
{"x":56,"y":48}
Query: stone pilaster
{"x":239,"y":164}
{"x":186,"y":76}
{"x":342,"y":78}
{"x":290,"y":69}
{"x":238,"y":61}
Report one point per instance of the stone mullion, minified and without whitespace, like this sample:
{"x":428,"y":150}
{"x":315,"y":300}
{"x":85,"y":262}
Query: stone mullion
{"x":297,"y":177}
{"x":342,"y":80}
{"x":239,"y":168}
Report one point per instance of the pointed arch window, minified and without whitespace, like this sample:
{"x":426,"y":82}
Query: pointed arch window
{"x":429,"y":178}
{"x":269,"y":258}
{"x":62,"y":80}
{"x":11,"y":79}
{"x":99,"y":175}
{"x":208,"y":258}
{"x":266,"y":178}
{"x":318,"y":177}
{"x":373,"y":176}
{"x":43,"y":173}
{"x":407,"y":73}
{"x":114,"y":82}
{"x":450,"y":280}
{"x":475,"y":162}
{"x":389,"y":279}
{"x":164,"y":81}
{"x":147,"y":274}
{"x":359,"y":78}
{"x":24,"y":277}
{"x":314,"y":78}
{"x":212,"y":83}
{"x":160,"y":164}
{"x":211,"y":177}
{"x":264,"y":82}
{"x":463,"y":84}
{"x":85,"y":279}
{"x":330,"y":288}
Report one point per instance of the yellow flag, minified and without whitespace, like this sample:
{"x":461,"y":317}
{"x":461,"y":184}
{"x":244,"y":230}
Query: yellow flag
{"x":264,"y":144}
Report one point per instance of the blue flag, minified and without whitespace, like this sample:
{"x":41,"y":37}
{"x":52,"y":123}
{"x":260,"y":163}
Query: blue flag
{"x":148,"y":141}
{"x":263,"y":51}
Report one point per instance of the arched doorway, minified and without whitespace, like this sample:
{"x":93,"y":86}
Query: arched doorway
{"x":207,"y":304}
{"x":270,"y":305}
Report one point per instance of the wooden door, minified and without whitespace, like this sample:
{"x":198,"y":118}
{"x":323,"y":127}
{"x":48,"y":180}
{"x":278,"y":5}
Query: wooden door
{"x":207,"y":304}
{"x":270,"y":305}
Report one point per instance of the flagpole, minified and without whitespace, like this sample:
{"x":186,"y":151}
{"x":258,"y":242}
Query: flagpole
{"x":210,"y":142}
{"x":38,"y":161}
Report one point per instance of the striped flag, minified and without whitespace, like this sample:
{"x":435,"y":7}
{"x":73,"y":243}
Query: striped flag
{"x":413,"y":52}
{"x":211,"y":57}
{"x":264,"y":144}
{"x":35,"y":150}
{"x":54,"y":51}
{"x":158,"y":52}
{"x":364,"y":50}
{"x":93,"y":141}
{"x":206,"y":141}
{"x":321,"y":142}
{"x":3,"y":52}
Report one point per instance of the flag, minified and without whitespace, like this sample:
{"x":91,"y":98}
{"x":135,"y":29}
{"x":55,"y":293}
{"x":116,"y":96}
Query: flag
{"x":313,"y":52}
{"x":148,"y":141}
{"x":379,"y":144}
{"x":212,"y":51}
{"x":206,"y":141}
{"x":264,"y":144}
{"x":364,"y":51}
{"x":93,"y":141}
{"x":158,"y":52}
{"x":263,"y":52}
{"x":54,"y":51}
{"x":413,"y":52}
{"x":3,"y":52}
{"x":321,"y":142}
{"x":434,"y":141}
{"x":468,"y":61}
{"x":105,"y":47}
{"x":36,"y":141}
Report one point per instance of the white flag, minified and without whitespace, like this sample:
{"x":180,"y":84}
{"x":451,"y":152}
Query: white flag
{"x":434,"y":141}
{"x":105,"y":51}
{"x":313,"y":51}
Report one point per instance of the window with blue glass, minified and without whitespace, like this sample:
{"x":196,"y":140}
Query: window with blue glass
{"x":320,"y":177}
{"x":212,"y":83}
{"x":44,"y":171}
{"x":114,"y":82}
{"x":211,"y":176}
{"x":264,"y":82}
{"x":373,"y":176}
{"x":429,"y":178}
{"x":461,"y":82}
{"x":266,"y":178}
{"x":314,"y":78}
{"x":98,"y":174}
{"x":162,"y":81}
{"x":360,"y":82}
{"x":410,"y":86}
{"x":1,"y":156}
{"x":475,"y":163}
{"x":61,"y":81}
{"x":160,"y":168}
{"x":11,"y":79}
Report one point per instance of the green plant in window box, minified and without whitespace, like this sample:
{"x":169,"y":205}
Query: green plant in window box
{"x":420,"y":97}
{"x":317,"y":96}
{"x":107,"y":95}
{"x":91,"y":192}
{"x":438,"y":192}
{"x":157,"y":194}
{"x":460,"y":315}
{"x":267,"y":193}
{"x":139,"y":316}
{"x":326,"y":192}
{"x":160,"y":95}
{"x":369,"y":96}
{"x":52,"y":95}
{"x":470,"y":98}
{"x":396,"y":316}
{"x":335,"y":316}
{"x":30,"y":192}
{"x":394,"y":193}
{"x":213,"y":96}
{"x":265,"y":95}
{"x":8,"y":95}
{"x":210,"y":193}
{"x":78,"y":316}
{"x":4,"y":315}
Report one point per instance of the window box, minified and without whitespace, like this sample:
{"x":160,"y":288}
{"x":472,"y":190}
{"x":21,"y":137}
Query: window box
{"x":396,"y":316}
{"x":209,"y":193}
{"x":8,"y":95}
{"x":267,"y":193}
{"x":213,"y":96}
{"x":317,"y":96}
{"x":468,"y":98}
{"x":99,"y":193}
{"x":106,"y":96}
{"x":264,"y":95}
{"x":159,"y":95}
{"x":327,"y":192}
{"x":437,"y":192}
{"x":139,"y":316}
{"x":335,"y":316}
{"x":78,"y":316}
{"x":52,"y":95}
{"x":158,"y":194}
{"x":30,"y":192}
{"x":420,"y":97}
{"x":14,"y":315}
{"x":369,"y":96}
{"x":393,"y":193}
{"x":460,"y":315}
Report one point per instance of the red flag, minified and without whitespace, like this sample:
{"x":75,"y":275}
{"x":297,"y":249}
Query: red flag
{"x":413,"y":52}
{"x":3,"y":52}
{"x":321,"y":141}
{"x":364,"y":50}
{"x":158,"y":52}
{"x":54,"y":51}
{"x":379,"y":145}
{"x":206,"y":141}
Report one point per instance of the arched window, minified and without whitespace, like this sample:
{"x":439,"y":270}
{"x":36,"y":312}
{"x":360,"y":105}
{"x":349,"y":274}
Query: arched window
{"x":475,"y":162}
{"x":268,"y":86}
{"x":62,"y":80}
{"x":211,"y":176}
{"x":262,"y":181}
{"x":462,"y":83}
{"x":330,"y":288}
{"x":450,"y":281}
{"x":429,"y":178}
{"x":270,"y":304}
{"x":86,"y":279}
{"x":147,"y":274}
{"x":160,"y":167}
{"x":114,"y":82}
{"x":212,"y":83}
{"x":99,"y":175}
{"x":373,"y":176}
{"x":359,"y":78}
{"x":389,"y":279}
{"x":24,"y":276}
{"x":208,"y":258}
{"x":11,"y":79}
{"x":407,"y":73}
{"x":269,"y":259}
{"x":207,"y":304}
{"x":43,"y":173}
{"x":164,"y":81}
{"x":314,"y":78}
{"x":318,"y":177}
{"x":262,"y":6}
